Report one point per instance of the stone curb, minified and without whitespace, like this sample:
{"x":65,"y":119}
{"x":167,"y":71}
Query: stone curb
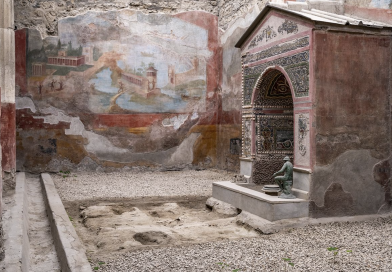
{"x":267,"y":227}
{"x":70,"y":251}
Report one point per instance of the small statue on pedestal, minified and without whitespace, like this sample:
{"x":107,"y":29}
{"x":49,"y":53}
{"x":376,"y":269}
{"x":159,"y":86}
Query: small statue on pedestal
{"x":285,"y":182}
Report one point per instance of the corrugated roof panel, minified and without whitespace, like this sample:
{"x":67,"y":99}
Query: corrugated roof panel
{"x":316,"y":16}
{"x":312,"y":17}
{"x":325,"y":17}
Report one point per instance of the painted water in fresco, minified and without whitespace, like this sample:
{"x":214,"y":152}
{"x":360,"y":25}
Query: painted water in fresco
{"x":122,"y":62}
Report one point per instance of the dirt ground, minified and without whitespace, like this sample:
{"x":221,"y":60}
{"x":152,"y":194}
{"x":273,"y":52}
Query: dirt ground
{"x":108,"y":227}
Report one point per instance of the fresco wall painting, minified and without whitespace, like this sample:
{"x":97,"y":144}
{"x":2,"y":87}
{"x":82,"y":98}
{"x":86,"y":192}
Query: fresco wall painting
{"x":126,"y":82}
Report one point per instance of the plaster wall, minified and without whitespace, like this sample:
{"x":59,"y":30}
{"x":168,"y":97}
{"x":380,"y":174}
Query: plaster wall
{"x":231,"y":12}
{"x":44,"y":15}
{"x":230,"y":123}
{"x":7,"y":83}
{"x":353,"y":119}
{"x":219,"y":131}
{"x":90,"y":115}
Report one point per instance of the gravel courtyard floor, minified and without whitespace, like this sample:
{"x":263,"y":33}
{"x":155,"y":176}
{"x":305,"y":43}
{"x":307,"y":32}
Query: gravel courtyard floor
{"x":361,"y":246}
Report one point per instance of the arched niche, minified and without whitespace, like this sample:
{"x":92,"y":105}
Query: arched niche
{"x":272,"y":124}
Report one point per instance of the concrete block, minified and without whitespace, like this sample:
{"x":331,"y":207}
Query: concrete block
{"x":246,"y":167}
{"x":302,"y":179}
{"x":300,"y":194}
{"x":70,"y":251}
{"x":268,"y":207}
{"x":7,"y":14}
{"x":7,"y":65}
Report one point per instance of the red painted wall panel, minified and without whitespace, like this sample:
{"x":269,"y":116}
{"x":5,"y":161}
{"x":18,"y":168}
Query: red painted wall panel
{"x":20,"y":60}
{"x":8,"y":148}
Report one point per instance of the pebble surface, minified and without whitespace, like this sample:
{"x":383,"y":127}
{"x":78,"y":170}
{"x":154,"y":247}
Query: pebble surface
{"x":362,"y":246}
{"x":365,"y":246}
{"x":87,"y":185}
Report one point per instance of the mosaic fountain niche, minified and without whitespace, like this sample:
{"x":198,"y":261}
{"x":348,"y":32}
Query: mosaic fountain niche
{"x":277,"y":114}
{"x":268,"y":137}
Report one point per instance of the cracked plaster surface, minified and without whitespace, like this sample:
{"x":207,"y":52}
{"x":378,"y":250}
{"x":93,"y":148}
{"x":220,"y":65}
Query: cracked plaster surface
{"x":104,"y":149}
{"x":354,"y":171}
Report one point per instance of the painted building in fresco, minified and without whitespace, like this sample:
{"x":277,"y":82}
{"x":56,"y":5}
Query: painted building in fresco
{"x":138,"y":92}
{"x":64,"y":60}
{"x":143,"y":85}
{"x":313,"y":90}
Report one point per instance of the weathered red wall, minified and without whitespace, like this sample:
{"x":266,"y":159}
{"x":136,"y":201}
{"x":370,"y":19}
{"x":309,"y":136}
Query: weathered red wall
{"x":353,"y":121}
{"x":20,"y":60}
{"x":352,"y":90}
{"x":230,"y":104}
{"x":8,"y":147}
{"x":8,"y":133}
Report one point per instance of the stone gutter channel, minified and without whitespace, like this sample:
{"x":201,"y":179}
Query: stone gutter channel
{"x":39,"y":237}
{"x":70,"y":251}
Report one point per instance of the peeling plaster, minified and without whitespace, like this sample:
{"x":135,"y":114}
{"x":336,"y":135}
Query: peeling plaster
{"x":105,"y":150}
{"x":194,"y":116}
{"x":76,"y":126}
{"x":241,"y":22}
{"x":99,"y":144}
{"x":184,"y":152}
{"x":25,"y":103}
{"x":176,"y":122}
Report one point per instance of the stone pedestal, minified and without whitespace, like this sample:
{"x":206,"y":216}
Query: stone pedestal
{"x":246,"y":168}
{"x":265,"y":206}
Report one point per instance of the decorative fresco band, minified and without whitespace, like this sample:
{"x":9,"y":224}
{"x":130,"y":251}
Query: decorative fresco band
{"x":288,"y":26}
{"x":277,"y":50}
{"x":296,"y":66}
{"x":268,"y":33}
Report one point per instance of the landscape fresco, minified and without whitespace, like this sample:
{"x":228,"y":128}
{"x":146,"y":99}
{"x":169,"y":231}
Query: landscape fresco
{"x":123,"y":88}
{"x":121,"y":62}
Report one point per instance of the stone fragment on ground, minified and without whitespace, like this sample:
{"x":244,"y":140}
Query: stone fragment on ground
{"x":221,"y":207}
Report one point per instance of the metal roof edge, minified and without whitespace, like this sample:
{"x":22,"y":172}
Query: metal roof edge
{"x":260,"y":17}
{"x":269,"y":7}
{"x":250,"y":29}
